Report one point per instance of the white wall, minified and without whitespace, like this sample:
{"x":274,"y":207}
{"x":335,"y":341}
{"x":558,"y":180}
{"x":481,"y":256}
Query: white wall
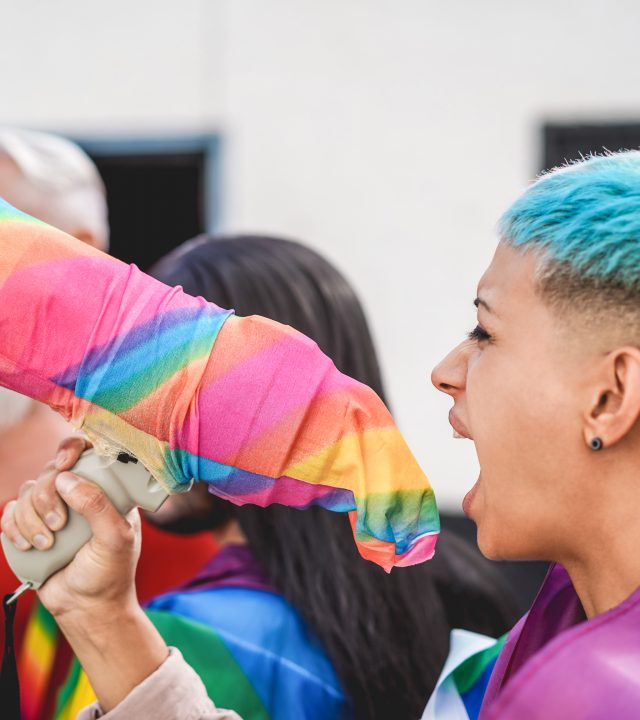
{"x":387,"y":133}
{"x":392,"y":133}
{"x":123,"y":66}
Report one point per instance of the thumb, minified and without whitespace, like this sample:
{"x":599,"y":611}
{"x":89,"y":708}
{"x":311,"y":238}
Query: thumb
{"x":87,"y":499}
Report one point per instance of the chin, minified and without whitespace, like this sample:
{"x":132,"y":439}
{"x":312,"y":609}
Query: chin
{"x":493,"y":545}
{"x":508,"y":546}
{"x":489,"y":548}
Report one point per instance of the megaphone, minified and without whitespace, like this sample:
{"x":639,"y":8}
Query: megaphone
{"x":125,"y":481}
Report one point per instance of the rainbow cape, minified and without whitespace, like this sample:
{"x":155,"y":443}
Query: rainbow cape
{"x":249,"y":406}
{"x":251,"y":649}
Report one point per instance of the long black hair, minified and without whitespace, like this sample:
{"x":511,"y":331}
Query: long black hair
{"x":386,"y":635}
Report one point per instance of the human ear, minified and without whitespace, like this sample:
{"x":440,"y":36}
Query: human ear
{"x":615,"y":406}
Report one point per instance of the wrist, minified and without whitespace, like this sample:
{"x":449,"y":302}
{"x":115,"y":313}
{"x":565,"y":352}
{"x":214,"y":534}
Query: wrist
{"x":117,"y":649}
{"x":98,"y":621}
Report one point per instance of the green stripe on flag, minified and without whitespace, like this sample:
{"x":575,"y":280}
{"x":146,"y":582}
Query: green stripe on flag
{"x":467,"y":675}
{"x":207,"y":654}
{"x":45,"y":619}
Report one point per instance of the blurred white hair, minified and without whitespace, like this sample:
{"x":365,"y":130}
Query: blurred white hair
{"x":58,"y":183}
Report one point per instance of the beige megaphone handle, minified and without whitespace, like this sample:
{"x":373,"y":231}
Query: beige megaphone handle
{"x":126,"y":482}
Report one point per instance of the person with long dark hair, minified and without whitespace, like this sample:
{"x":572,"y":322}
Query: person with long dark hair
{"x":386,"y":636}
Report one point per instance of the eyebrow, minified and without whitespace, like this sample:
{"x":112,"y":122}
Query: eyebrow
{"x":479,"y":301}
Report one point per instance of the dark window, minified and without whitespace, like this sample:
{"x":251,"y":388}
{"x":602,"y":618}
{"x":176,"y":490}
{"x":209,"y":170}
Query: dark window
{"x":160,"y":193}
{"x":569,"y":142}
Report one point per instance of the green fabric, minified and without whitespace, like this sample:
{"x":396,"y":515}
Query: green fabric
{"x":46,"y":621}
{"x":66,"y":691}
{"x":467,"y":675}
{"x":207,"y":654}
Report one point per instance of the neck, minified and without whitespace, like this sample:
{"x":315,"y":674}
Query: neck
{"x":230,"y":534}
{"x":605,"y":569}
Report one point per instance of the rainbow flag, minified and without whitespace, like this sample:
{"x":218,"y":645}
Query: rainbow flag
{"x":247,"y":405}
{"x":251,"y":648}
{"x":460,"y":690}
{"x":257,"y":682}
{"x":36,"y":660}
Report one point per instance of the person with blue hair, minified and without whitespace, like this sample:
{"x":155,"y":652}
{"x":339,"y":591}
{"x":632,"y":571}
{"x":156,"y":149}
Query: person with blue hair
{"x":547,"y":386}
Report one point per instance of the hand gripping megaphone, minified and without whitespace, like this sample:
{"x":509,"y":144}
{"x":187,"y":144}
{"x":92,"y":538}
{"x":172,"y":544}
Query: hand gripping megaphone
{"x":125,"y":481}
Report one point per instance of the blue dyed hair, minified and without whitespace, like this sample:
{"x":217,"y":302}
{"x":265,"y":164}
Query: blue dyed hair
{"x":584,"y":220}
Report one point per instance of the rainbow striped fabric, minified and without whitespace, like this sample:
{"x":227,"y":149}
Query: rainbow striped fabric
{"x":250,"y":647}
{"x":247,"y":405}
{"x":36,"y":661}
{"x":460,"y":690}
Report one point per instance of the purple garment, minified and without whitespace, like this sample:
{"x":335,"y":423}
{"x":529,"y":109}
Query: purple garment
{"x":558,"y":664}
{"x":231,"y":566}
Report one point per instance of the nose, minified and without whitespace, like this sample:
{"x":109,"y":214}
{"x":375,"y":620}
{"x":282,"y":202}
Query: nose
{"x":450,"y":374}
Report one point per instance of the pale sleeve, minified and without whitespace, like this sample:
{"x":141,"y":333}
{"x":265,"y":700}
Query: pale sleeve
{"x":173,"y":692}
{"x":247,"y":405}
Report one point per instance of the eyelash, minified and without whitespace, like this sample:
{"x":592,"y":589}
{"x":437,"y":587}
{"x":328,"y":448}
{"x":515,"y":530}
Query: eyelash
{"x":479,"y":334}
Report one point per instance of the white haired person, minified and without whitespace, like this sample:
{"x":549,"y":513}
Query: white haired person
{"x":54,"y":180}
{"x":51,"y":178}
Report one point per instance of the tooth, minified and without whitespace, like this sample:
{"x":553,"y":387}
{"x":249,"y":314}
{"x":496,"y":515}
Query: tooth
{"x":457,"y":435}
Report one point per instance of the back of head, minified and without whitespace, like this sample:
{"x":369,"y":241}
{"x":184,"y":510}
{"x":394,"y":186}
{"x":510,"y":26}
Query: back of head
{"x":284,"y":281}
{"x":583,"y":220}
{"x":52,"y":179}
{"x":387,"y":635}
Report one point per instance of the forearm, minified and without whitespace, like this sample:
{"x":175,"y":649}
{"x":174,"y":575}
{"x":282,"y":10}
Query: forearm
{"x":118,"y":650}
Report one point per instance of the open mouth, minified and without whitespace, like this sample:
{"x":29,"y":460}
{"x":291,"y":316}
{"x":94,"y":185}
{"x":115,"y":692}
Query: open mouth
{"x":460,"y":432}
{"x":459,"y":429}
{"x":468,"y":498}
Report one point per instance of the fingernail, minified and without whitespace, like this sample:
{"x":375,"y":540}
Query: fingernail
{"x":21,"y":543}
{"x":65,"y":482}
{"x":53,"y":520}
{"x":61,"y":458}
{"x":41,"y":541}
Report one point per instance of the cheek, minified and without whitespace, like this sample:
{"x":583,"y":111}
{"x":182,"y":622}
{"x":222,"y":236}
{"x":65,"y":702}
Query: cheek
{"x":516,"y":410}
{"x":501,"y":409}
{"x":518,"y":424}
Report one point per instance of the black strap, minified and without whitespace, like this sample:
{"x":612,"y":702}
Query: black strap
{"x":9,"y":685}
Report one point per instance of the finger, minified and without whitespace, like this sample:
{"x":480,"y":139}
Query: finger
{"x":70,"y":450}
{"x":10,"y":529}
{"x":30,"y":524}
{"x":25,"y":488}
{"x":109,"y":528}
{"x":133,"y":520}
{"x":46,"y":501}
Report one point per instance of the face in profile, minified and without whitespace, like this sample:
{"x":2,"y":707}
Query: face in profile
{"x":518,"y":395}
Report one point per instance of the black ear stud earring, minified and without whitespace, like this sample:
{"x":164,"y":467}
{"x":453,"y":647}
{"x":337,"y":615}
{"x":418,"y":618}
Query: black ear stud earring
{"x":595,"y":443}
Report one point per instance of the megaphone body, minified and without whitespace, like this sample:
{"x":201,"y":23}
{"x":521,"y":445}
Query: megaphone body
{"x":127,"y":484}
